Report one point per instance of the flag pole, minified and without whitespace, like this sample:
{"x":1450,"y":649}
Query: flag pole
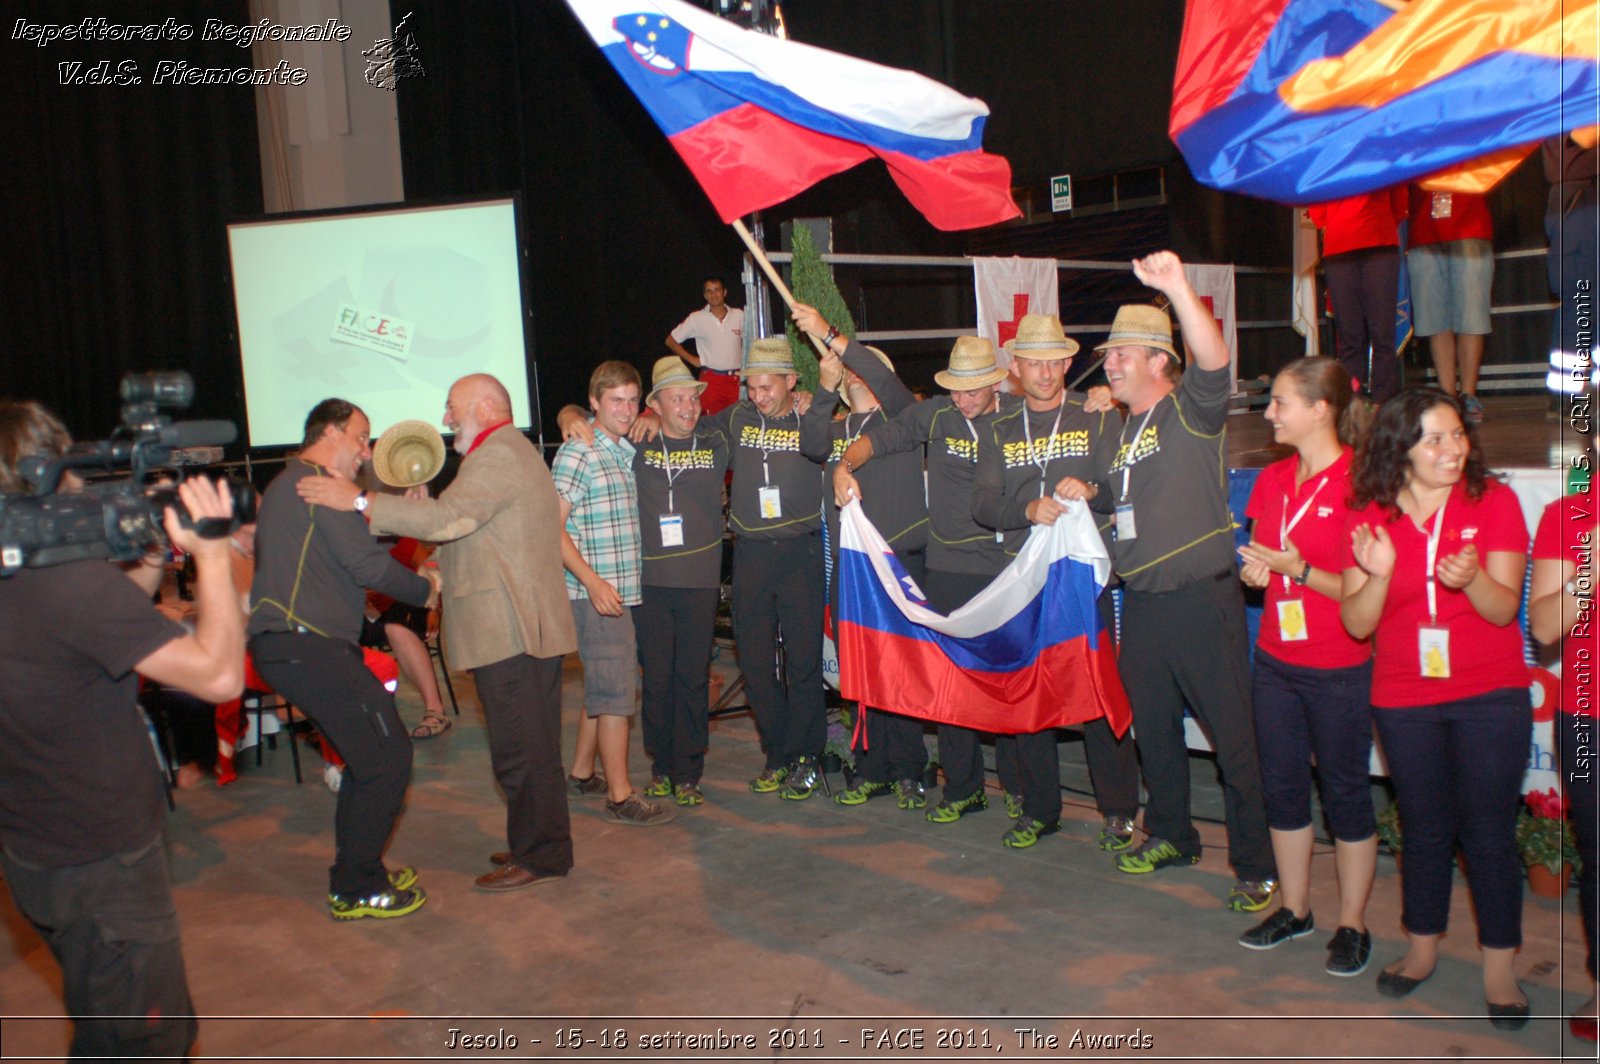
{"x":771,"y":271}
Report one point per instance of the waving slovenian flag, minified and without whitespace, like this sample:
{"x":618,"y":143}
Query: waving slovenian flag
{"x":759,"y":119}
{"x":1028,"y":653}
{"x":1302,"y":101}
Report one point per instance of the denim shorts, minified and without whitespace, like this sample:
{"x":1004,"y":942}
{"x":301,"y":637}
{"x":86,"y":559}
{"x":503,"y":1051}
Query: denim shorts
{"x":1450,"y":287}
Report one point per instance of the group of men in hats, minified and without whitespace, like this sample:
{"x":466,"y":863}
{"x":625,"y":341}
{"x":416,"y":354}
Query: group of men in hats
{"x":995,"y":465}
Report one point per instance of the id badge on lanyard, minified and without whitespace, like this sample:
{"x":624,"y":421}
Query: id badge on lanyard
{"x":1433,"y":638}
{"x":771,"y":506}
{"x":672,"y":530}
{"x":1292,"y":626}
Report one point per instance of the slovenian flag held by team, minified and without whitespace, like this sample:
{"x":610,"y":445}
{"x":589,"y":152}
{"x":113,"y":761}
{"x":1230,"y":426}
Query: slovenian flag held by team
{"x":1027,"y":654}
{"x":1303,"y":101}
{"x":759,"y":119}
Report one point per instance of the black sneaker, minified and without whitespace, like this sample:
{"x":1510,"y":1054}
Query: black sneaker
{"x":1277,"y":929}
{"x":803,"y":779}
{"x":1349,"y":952}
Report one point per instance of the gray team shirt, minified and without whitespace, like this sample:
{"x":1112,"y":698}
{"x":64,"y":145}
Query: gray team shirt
{"x":691,"y":472}
{"x":1177,"y":477}
{"x":1016,"y":459}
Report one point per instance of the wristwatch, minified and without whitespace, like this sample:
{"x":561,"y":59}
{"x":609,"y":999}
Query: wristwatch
{"x":361,"y":503}
{"x":1303,"y":575}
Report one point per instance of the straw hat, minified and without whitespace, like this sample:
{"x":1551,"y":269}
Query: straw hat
{"x":844,"y":394}
{"x":770,"y":354}
{"x":672,"y":372}
{"x":1039,"y":336}
{"x":408,"y":454}
{"x":1144,"y":326}
{"x":972,"y":366}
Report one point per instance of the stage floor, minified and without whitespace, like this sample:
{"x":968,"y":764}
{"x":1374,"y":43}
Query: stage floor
{"x":751,"y":914}
{"x":1517,"y":433}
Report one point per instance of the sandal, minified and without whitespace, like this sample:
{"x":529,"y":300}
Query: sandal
{"x":432,"y":724}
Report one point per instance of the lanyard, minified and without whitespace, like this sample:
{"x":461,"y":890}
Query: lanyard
{"x":666,"y":459}
{"x":1433,"y":556}
{"x":1027,"y":435}
{"x":1285,"y":527}
{"x":850,"y":435}
{"x":1127,"y":461}
{"x":766,"y":474}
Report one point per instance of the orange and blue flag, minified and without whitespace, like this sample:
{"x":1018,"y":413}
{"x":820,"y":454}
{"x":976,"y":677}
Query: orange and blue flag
{"x":1300,"y":101}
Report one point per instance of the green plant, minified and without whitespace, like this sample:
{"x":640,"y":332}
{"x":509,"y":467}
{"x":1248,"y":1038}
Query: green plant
{"x":838,"y":740}
{"x":812,"y":282}
{"x":1389,"y":827}
{"x":1544,"y":835}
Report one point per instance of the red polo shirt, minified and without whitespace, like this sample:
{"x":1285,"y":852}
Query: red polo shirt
{"x":1439,"y":217}
{"x":1568,"y":530}
{"x":1323,"y":536}
{"x":1484,"y":657}
{"x":1370,"y":220}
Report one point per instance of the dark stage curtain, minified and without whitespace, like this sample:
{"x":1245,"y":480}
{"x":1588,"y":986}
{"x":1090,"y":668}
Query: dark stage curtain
{"x":116,"y":198}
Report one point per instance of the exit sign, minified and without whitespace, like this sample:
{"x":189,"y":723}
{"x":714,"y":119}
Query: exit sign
{"x":1061,"y":193}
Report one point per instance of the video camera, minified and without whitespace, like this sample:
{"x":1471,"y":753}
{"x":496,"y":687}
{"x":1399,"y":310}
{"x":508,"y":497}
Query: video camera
{"x":115,"y":518}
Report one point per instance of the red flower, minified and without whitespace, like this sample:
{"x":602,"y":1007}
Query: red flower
{"x":1546,"y":804}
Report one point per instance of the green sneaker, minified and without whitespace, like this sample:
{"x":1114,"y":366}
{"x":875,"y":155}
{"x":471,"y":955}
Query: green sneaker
{"x":862,"y":792}
{"x":1013,"y":805}
{"x":689,"y":794}
{"x":804,"y":778}
{"x":1116,"y":834}
{"x":1155,"y":853}
{"x":658,"y":787}
{"x":399,"y":879}
{"x":390,"y":903}
{"x":948,"y":812}
{"x":1025,"y":832}
{"x":770,"y":780}
{"x":909,"y":794}
{"x":1251,"y":895}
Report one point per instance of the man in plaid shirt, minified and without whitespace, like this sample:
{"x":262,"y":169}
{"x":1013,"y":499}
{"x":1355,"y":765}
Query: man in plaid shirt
{"x":601,"y":551}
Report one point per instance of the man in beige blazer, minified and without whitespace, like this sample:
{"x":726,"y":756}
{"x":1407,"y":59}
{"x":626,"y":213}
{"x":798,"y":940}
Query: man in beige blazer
{"x":505,"y":616}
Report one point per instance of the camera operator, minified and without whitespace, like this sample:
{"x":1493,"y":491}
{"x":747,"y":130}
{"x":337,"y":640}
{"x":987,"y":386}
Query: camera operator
{"x":81,"y":801}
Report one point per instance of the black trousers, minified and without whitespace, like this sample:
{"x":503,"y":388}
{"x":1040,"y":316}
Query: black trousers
{"x":327,"y":681}
{"x":675,"y":627}
{"x":778,"y":586}
{"x":894,"y":748}
{"x":521,"y":699}
{"x":1191,"y":645}
{"x":113,"y":928}
{"x":1363,"y":287}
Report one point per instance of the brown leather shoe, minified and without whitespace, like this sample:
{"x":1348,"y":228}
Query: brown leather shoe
{"x":509,"y":877}
{"x":500,"y":858}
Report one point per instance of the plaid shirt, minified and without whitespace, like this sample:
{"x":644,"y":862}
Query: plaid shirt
{"x":597,"y":480}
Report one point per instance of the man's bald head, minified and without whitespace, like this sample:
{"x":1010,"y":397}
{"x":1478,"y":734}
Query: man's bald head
{"x":481,"y":387}
{"x":475,"y":402}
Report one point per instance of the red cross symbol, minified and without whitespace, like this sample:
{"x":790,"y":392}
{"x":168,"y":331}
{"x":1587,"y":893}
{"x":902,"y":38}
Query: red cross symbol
{"x":1008,"y":329}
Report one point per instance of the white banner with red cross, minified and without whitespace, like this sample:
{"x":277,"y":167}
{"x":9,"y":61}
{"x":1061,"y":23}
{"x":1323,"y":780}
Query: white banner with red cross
{"x":1009,"y":288}
{"x":1214,"y":286}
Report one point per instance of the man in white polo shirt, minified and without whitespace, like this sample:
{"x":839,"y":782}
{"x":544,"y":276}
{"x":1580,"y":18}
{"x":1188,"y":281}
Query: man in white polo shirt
{"x":718,"y":334}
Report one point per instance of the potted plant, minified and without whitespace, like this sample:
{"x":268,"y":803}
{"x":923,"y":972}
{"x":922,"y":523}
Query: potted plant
{"x":1544,"y":837}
